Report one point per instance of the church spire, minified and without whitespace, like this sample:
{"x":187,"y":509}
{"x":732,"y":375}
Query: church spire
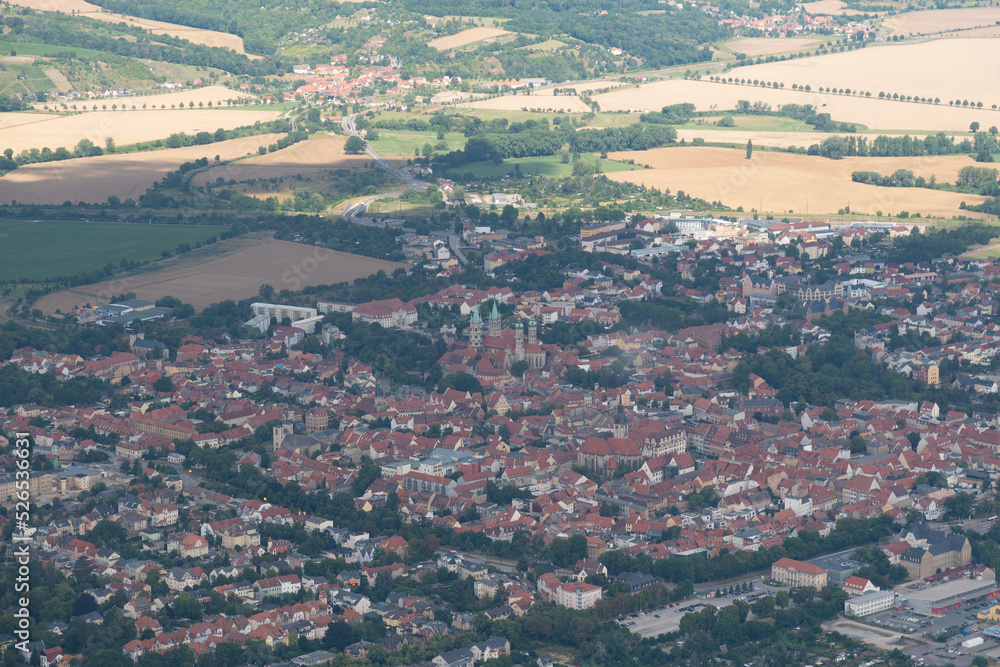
{"x":494,"y":327}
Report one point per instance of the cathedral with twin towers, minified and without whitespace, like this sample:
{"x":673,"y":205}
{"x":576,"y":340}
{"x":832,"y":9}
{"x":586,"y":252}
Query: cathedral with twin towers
{"x":490,"y":338}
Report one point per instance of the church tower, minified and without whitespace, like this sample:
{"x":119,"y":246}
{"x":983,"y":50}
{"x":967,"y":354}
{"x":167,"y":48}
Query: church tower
{"x":621,"y":423}
{"x":494,"y":330}
{"x":519,"y":341}
{"x":532,"y":332}
{"x":476,"y":329}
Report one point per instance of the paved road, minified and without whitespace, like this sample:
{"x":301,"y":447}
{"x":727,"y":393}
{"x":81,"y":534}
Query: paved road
{"x":348,"y":124}
{"x":356,"y":213}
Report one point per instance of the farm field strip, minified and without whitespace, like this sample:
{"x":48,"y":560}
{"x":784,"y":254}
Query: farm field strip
{"x":564,"y":103}
{"x":875,"y":114}
{"x":931,"y":69}
{"x":319,"y":153}
{"x":42,"y":250}
{"x":82,"y":8}
{"x":782,"y":182}
{"x":933,"y":21}
{"x":124,"y":126}
{"x":234,"y":276}
{"x":765,"y":46}
{"x":466,"y":37}
{"x":123,"y":175}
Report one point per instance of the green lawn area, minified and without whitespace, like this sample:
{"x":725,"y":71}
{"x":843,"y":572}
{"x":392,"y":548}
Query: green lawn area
{"x":548,"y":165}
{"x":44,"y":250}
{"x":402,"y":143}
{"x":987,"y":251}
{"x":614,"y":120}
{"x":759,"y":123}
{"x":511,"y":116}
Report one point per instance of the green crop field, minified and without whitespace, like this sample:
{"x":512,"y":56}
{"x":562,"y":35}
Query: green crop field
{"x":44,"y":250}
{"x":402,"y":143}
{"x":48,"y":50}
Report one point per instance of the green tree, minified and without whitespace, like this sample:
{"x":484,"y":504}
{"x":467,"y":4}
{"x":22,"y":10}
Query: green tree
{"x":186,"y":606}
{"x":339,"y":635}
{"x":355,"y":145}
{"x":749,"y":148}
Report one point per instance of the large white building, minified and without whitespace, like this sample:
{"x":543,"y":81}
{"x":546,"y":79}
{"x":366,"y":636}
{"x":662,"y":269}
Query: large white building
{"x":280,"y":311}
{"x":578,"y":595}
{"x":869,"y":603}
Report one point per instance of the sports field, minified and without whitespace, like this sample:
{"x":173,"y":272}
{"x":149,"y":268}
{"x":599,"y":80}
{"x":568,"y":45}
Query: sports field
{"x":43,"y":250}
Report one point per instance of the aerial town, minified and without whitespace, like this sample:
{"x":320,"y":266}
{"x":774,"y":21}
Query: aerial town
{"x":440,"y":333}
{"x":275,"y":491}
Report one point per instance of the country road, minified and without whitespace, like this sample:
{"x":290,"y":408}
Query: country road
{"x":356,"y":212}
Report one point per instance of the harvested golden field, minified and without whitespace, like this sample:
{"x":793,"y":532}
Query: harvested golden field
{"x":764,"y":46}
{"x":566,"y":103}
{"x":238,"y":275}
{"x":933,"y":21}
{"x":82,"y":8}
{"x":18,"y":119}
{"x":829,"y":7}
{"x":876,"y":114}
{"x":58,"y":79}
{"x":934,"y":69}
{"x":453,"y":96}
{"x":125,"y":127}
{"x":988,"y":31}
{"x":466,"y":37}
{"x":782,"y":182}
{"x":319,"y":153}
{"x":547,"y":45}
{"x":126,"y":176}
{"x":759,"y":137}
{"x":584,"y":88}
{"x":217,"y":95}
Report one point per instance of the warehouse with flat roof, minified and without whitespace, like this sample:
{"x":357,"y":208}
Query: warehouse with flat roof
{"x":949,"y":595}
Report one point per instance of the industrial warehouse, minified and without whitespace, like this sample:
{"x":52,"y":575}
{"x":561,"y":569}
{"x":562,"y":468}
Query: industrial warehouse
{"x":952,"y":594}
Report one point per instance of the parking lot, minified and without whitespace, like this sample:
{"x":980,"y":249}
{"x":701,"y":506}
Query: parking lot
{"x":919,"y":627}
{"x":937,"y":654}
{"x":917,"y":624}
{"x":668,"y":618}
